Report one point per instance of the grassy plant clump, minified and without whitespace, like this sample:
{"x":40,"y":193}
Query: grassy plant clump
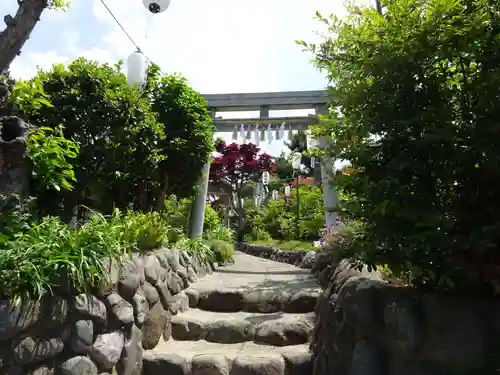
{"x":223,"y":250}
{"x":220,"y":233}
{"x":47,"y":256}
{"x":146,"y":231}
{"x":258,"y":234}
{"x":197,"y":248}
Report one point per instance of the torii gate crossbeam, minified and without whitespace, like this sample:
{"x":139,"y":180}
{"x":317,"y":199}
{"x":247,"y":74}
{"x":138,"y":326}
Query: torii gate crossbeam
{"x":265,"y":102}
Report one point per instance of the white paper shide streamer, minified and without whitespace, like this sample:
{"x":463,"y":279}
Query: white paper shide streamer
{"x":242,"y":132}
{"x":256,"y":135}
{"x":282,"y":131}
{"x":269,"y":133}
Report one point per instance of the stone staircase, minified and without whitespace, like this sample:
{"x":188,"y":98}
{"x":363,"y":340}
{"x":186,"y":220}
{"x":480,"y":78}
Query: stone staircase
{"x":254,"y":317}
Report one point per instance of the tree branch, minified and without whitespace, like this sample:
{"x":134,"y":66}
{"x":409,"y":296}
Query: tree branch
{"x":18,"y":30}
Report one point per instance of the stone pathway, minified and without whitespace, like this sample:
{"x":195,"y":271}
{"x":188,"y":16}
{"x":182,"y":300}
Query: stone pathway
{"x":254,"y":317}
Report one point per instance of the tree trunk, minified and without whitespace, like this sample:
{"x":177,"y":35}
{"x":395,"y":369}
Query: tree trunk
{"x":18,"y":30}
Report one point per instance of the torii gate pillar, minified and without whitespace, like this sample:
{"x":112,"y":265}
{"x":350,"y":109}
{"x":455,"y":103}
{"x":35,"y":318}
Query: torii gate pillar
{"x":330,"y":194}
{"x":197,"y":213}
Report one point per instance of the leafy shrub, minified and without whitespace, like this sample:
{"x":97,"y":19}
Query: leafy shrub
{"x":212,"y":221}
{"x":50,"y":154}
{"x":278,"y":218}
{"x":176,"y":213}
{"x":223,"y":250}
{"x":257,"y":234}
{"x":196,"y":247}
{"x":415,"y":113}
{"x":187,"y":129}
{"x":110,"y":121}
{"x":134,"y":147}
{"x":338,"y":238}
{"x":49,"y":252}
{"x":220,"y":233}
{"x":146,"y":231}
{"x":35,"y":257}
{"x":16,"y":215}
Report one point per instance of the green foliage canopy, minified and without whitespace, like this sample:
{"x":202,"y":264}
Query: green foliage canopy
{"x":278,"y":218}
{"x":416,"y":112}
{"x":188,"y":130}
{"x":133,"y":146}
{"x":110,"y":121}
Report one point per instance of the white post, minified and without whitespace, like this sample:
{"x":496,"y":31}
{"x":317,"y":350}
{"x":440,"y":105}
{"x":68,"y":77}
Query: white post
{"x":330,"y":195}
{"x":197,"y":214}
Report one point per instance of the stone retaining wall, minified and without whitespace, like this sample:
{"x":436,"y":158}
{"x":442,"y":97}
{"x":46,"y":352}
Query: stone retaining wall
{"x":302,"y":259}
{"x":101,"y":333}
{"x":365,"y":326}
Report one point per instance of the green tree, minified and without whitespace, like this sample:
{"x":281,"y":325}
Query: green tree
{"x":284,"y":169}
{"x":188,"y":131}
{"x":416,"y":112}
{"x":112,"y":124}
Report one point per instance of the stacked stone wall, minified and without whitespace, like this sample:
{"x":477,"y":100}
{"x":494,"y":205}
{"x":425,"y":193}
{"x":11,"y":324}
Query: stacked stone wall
{"x":104,"y":332}
{"x":366,"y":326}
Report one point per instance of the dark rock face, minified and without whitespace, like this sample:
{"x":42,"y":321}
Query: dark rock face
{"x":153,"y":326}
{"x":15,"y":318}
{"x":105,"y":333}
{"x":14,"y":167}
{"x":366,"y":326}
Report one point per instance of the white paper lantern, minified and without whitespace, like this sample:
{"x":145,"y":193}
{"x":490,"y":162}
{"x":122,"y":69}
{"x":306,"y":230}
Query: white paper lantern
{"x":137,"y":67}
{"x":287,"y":191}
{"x":275,"y":195}
{"x":296,"y":159}
{"x":265,"y":178}
{"x":156,"y":6}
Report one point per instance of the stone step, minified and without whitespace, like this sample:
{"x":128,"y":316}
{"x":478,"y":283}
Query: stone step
{"x":255,"y":285}
{"x":206,"y":358}
{"x":278,"y":329}
{"x":298,"y":301}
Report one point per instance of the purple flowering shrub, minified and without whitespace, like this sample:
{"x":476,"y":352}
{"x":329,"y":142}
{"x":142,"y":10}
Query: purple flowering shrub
{"x":331,"y":237}
{"x":340,"y":236}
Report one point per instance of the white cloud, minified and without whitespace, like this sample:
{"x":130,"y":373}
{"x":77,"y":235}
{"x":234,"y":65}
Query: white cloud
{"x":221,"y":46}
{"x":28,"y":66}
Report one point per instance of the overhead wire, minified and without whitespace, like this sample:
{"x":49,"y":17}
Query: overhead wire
{"x":139,"y":50}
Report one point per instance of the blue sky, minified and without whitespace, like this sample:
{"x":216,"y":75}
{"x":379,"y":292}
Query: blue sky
{"x":221,"y":46}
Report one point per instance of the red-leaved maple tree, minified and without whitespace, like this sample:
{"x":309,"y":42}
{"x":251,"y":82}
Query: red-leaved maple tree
{"x":237,"y":164}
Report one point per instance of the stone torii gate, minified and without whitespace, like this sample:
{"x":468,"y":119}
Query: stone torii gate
{"x":264,"y":102}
